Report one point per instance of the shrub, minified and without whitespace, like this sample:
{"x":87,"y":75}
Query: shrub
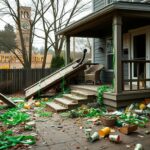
{"x":57,"y":62}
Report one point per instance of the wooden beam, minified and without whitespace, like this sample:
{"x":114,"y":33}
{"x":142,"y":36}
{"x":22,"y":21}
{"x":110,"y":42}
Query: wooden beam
{"x":67,"y":52}
{"x":117,"y":45}
{"x":7,"y":100}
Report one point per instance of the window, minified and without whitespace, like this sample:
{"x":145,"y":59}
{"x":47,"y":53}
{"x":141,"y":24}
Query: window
{"x":109,"y":53}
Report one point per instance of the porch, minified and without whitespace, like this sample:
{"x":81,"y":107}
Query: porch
{"x":116,"y":100}
{"x":115,"y":21}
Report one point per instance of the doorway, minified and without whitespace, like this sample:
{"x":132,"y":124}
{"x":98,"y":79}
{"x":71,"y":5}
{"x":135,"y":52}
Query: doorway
{"x":139,"y":53}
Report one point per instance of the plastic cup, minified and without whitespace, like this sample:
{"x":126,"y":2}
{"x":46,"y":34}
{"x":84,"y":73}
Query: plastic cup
{"x":104,"y":132}
{"x":138,"y":147}
{"x":114,"y":138}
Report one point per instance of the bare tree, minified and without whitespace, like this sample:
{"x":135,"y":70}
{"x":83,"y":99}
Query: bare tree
{"x":15,"y":13}
{"x":61,"y":13}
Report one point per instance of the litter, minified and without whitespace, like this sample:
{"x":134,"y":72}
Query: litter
{"x":88,"y":133}
{"x":104,"y":132}
{"x":114,"y":138}
{"x":94,"y":137}
{"x":138,"y":147}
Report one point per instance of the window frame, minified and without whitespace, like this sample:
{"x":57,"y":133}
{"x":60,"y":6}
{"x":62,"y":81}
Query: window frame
{"x":109,"y":53}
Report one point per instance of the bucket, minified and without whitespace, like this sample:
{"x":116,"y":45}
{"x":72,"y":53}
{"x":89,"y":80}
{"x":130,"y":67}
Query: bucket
{"x":114,"y":138}
{"x":104,"y":132}
{"x":138,"y":147}
{"x":94,"y":137}
{"x":88,"y":133}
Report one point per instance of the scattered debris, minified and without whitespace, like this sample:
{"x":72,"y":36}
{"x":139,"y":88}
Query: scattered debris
{"x":114,"y":138}
{"x":88,"y":133}
{"x":104,"y":132}
{"x":147,"y":132}
{"x":94,"y":137}
{"x":128,"y":129}
{"x":138,"y":147}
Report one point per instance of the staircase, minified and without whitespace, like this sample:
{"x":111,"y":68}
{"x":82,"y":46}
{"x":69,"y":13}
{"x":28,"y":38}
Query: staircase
{"x":80,"y":94}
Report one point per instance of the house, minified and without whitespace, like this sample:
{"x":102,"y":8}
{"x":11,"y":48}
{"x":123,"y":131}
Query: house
{"x":121,"y":33}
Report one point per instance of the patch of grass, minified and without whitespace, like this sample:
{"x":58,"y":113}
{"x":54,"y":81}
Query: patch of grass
{"x":42,"y":113}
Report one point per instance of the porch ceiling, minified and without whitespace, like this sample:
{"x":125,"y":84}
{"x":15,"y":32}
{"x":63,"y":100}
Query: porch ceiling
{"x":99,"y":24}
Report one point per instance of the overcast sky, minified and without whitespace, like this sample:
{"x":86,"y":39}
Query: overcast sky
{"x":38,"y":42}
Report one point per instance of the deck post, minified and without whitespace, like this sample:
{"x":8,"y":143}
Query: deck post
{"x":67,"y":53}
{"x":117,"y":45}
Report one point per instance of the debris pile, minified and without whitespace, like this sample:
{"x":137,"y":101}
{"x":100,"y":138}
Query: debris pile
{"x":17,"y":123}
{"x":115,"y":123}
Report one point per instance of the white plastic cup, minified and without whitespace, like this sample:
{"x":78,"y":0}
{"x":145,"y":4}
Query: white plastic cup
{"x":138,"y":147}
{"x":114,"y":138}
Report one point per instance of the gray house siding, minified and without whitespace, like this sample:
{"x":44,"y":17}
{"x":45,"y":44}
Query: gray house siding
{"x":98,"y":4}
{"x":100,"y":57}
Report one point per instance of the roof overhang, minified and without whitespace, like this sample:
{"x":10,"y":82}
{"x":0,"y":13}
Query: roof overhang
{"x":99,"y":23}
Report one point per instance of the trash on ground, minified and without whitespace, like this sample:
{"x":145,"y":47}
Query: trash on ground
{"x":114,"y":138}
{"x":128,"y":129}
{"x":138,"y":147}
{"x":94,"y":137}
{"x":104,"y":132}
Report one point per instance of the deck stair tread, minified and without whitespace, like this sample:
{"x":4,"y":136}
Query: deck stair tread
{"x":69,"y":101}
{"x":74,"y":97}
{"x":65,"y":101}
{"x":56,"y":106}
{"x":84,"y":93}
{"x":91,"y":88}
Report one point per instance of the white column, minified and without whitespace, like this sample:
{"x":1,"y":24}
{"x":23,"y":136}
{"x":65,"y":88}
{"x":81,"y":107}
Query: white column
{"x":117,"y":43}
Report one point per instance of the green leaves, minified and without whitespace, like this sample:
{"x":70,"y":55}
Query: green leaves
{"x":13,"y":117}
{"x":100,"y":91}
{"x":7,"y":140}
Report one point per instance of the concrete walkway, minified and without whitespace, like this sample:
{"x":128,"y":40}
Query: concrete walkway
{"x":57,"y":133}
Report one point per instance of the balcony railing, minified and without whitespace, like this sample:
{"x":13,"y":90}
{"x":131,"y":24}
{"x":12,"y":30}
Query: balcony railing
{"x":135,"y":75}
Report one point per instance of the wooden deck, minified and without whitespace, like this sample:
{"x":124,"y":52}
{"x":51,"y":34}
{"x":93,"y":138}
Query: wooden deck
{"x":121,"y":99}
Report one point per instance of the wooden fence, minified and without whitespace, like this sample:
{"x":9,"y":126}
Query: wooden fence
{"x":15,"y":80}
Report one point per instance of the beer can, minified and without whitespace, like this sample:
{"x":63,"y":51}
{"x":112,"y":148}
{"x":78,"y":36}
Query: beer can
{"x":114,"y":138}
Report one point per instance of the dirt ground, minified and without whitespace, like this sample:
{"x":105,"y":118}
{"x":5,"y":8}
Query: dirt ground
{"x":58,"y":133}
{"x":62,"y":133}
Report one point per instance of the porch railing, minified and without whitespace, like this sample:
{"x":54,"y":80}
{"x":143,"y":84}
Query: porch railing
{"x":135,"y":75}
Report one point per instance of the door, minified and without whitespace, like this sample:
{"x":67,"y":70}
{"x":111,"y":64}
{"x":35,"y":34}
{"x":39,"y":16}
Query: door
{"x":139,"y":53}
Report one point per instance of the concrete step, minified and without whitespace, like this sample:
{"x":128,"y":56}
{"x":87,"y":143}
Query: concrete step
{"x":55,"y":107}
{"x":85,"y":94}
{"x":65,"y":102}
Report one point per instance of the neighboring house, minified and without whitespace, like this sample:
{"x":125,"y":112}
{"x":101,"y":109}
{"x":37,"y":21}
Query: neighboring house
{"x":121,"y":32}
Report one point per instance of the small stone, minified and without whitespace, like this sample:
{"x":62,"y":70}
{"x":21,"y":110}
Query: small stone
{"x":147,"y":132}
{"x":77,"y":147}
{"x":59,"y":127}
{"x":141,"y":136}
{"x":128,"y":146}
